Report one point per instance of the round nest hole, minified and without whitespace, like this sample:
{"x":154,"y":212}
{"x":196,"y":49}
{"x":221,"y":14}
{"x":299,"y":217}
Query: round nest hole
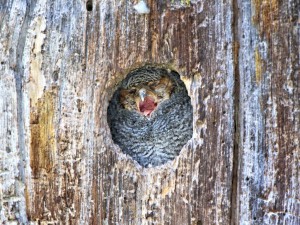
{"x":150,"y":115}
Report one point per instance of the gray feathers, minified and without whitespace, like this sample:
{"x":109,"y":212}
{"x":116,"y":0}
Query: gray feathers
{"x":159,"y":138}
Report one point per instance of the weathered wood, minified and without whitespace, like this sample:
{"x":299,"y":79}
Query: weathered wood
{"x":60,"y":65}
{"x":268,"y":154}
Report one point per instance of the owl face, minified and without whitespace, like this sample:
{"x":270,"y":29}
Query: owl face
{"x":150,"y":115}
{"x":146,"y":97}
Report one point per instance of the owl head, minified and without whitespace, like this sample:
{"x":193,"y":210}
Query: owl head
{"x":146,"y":95}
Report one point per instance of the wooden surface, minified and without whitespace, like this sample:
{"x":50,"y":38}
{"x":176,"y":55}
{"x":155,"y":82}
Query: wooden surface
{"x":269,"y":113}
{"x":59,"y":66}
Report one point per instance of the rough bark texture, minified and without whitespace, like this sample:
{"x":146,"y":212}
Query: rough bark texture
{"x":269,"y":111}
{"x":59,"y":66}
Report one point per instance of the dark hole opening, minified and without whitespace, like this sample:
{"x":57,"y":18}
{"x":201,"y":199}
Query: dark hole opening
{"x":150,"y":115}
{"x":89,"y":5}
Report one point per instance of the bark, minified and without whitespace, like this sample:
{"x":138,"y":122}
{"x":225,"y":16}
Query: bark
{"x":60,"y":65}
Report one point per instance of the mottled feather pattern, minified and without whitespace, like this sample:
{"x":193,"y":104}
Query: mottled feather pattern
{"x":154,"y":140}
{"x":140,"y":76}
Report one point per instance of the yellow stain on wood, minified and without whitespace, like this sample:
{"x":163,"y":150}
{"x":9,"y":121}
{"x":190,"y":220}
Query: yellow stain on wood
{"x":168,"y":188}
{"x":37,"y":79}
{"x":266,"y":16}
{"x":258,"y":66}
{"x":188,"y":84}
{"x":256,"y":16}
{"x":43,"y":147}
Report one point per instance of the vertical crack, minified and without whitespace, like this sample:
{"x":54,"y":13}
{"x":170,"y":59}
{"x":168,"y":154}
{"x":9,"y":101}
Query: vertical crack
{"x":19,"y":72}
{"x":234,"y":187}
{"x":24,"y":211}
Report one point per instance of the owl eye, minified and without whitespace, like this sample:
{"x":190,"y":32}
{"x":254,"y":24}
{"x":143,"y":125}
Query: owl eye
{"x":132,"y":91}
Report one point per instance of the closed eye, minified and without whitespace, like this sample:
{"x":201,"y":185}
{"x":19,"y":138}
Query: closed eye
{"x":132,"y":91}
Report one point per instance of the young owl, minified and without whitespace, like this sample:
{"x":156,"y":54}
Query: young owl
{"x":150,"y":116}
{"x":145,"y":97}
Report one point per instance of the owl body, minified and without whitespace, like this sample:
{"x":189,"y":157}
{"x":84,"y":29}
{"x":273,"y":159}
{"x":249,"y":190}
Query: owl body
{"x":152,"y":139}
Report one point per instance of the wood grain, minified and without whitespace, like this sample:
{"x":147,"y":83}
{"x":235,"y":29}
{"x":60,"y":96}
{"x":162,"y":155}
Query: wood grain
{"x":59,"y":66}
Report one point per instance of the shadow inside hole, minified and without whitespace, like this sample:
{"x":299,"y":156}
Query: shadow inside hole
{"x":89,"y":5}
{"x":150,"y":115}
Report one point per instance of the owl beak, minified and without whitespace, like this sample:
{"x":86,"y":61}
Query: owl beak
{"x":143,"y":94}
{"x":147,"y":104}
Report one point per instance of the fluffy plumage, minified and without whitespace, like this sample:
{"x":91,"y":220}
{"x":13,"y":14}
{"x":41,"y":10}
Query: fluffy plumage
{"x":156,"y":137}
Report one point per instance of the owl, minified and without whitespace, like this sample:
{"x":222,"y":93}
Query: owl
{"x":146,"y":97}
{"x":150,"y":116}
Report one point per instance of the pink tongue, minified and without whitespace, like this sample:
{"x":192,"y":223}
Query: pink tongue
{"x":147,"y":106}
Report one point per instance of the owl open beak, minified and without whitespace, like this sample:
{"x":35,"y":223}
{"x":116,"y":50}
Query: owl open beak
{"x":143,"y":94}
{"x":147,"y":106}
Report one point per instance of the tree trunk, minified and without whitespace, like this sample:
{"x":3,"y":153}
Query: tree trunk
{"x":60,"y":63}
